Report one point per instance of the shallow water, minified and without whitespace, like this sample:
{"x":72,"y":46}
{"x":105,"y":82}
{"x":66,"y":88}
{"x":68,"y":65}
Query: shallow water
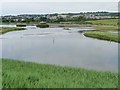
{"x":7,"y":26}
{"x":60,"y":47}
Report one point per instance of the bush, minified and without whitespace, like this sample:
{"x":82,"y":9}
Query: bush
{"x":66,"y":28}
{"x":21,"y":25}
{"x":42,"y":25}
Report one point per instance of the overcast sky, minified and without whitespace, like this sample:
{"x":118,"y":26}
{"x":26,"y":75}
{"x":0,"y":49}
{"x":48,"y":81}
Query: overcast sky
{"x":24,"y":7}
{"x":60,"y":0}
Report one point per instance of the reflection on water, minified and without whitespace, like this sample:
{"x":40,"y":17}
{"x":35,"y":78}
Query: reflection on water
{"x":58,"y":46}
{"x":53,"y":40}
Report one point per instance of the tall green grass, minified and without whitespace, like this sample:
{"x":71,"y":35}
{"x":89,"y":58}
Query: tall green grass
{"x":109,"y":36}
{"x":18,"y":74}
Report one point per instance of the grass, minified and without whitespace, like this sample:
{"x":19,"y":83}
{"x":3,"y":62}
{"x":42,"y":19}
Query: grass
{"x":105,"y":24}
{"x":19,"y":74}
{"x":102,"y":28}
{"x":110,"y":22}
{"x":5,"y":30}
{"x":66,"y":22}
{"x":103,"y":35}
{"x":106,"y":28}
{"x":75,"y":22}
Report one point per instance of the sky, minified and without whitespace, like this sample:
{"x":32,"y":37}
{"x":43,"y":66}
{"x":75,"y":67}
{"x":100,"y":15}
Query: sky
{"x":60,"y":0}
{"x":15,"y":7}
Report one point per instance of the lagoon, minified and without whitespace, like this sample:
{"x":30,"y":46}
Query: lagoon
{"x":60,"y":47}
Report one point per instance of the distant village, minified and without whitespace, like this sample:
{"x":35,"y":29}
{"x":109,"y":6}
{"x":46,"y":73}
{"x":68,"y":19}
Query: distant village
{"x":59,"y":17}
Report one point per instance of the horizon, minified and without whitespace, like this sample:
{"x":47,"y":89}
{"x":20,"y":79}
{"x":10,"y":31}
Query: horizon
{"x":56,"y":13}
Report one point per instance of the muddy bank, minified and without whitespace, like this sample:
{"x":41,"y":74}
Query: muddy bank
{"x":67,"y":25}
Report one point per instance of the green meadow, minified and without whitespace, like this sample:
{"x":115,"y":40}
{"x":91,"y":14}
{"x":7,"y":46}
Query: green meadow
{"x":110,"y":22}
{"x":20,"y":74}
{"x":102,"y":29}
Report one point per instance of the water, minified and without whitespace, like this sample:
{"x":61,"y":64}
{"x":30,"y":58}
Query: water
{"x":7,"y":26}
{"x":60,"y":47}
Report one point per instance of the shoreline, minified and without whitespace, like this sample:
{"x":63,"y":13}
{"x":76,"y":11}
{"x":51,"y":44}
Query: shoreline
{"x":5,"y":30}
{"x":107,"y":36}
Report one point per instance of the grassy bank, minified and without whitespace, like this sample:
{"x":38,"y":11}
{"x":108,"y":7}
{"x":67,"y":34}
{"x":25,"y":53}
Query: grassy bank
{"x":5,"y":30}
{"x":102,"y":27}
{"x":30,"y":75}
{"x":103,"y":35}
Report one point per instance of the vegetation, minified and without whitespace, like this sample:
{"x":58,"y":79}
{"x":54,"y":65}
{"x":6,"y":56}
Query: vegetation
{"x":103,"y":22}
{"x":102,"y":28}
{"x":5,"y":30}
{"x":109,"y":22}
{"x":75,"y":22}
{"x":66,"y":22}
{"x":21,"y":25}
{"x":44,"y":25}
{"x":57,"y":17}
{"x":103,"y":35}
{"x":106,"y":28}
{"x":19,"y":74}
{"x":66,"y":28}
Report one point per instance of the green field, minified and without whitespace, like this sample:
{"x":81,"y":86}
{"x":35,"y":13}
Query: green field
{"x":103,"y":35}
{"x":102,"y":27}
{"x":5,"y":30}
{"x":110,"y":22}
{"x":19,"y":74}
{"x":106,"y":28}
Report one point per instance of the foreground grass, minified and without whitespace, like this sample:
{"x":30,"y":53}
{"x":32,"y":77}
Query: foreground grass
{"x":30,"y":75}
{"x":5,"y":30}
{"x":103,"y":35}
